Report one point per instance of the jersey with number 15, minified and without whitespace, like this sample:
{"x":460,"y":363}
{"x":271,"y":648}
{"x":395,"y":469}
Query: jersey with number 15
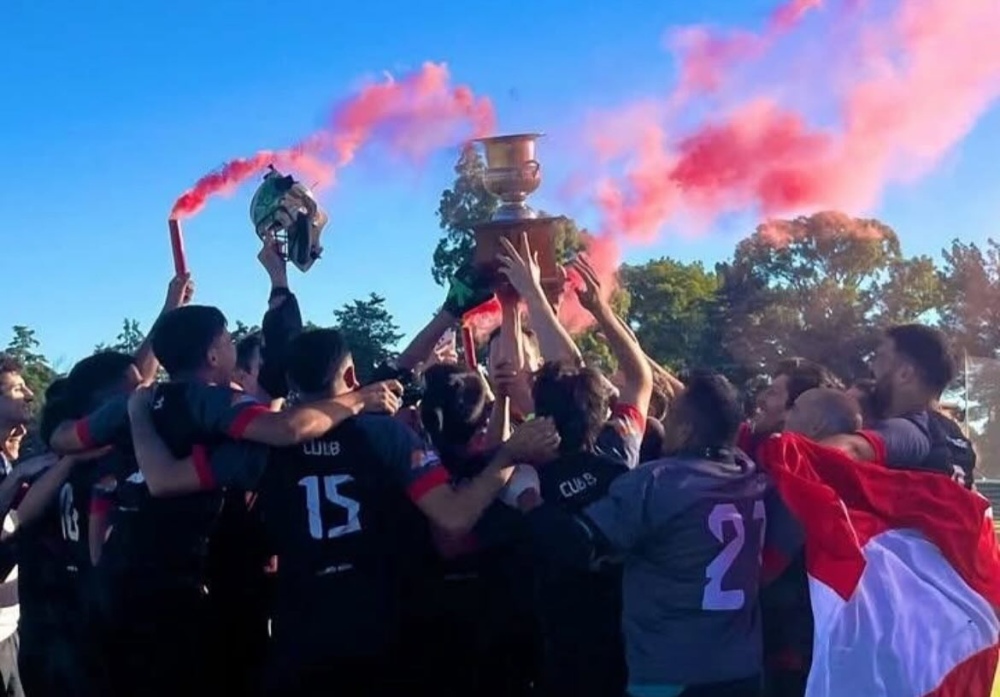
{"x":337,"y":510}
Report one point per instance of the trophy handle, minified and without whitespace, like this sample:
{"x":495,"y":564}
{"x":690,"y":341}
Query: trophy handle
{"x":533,"y":166}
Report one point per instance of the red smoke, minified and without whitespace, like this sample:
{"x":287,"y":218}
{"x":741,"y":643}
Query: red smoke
{"x":907,"y":85}
{"x":415,"y":114}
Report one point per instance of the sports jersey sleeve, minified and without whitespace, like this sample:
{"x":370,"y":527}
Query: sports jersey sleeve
{"x":417,"y":468}
{"x":99,"y":428}
{"x":904,"y":443}
{"x":237,"y":464}
{"x":620,"y":517}
{"x":222,"y":410}
{"x":621,"y":437}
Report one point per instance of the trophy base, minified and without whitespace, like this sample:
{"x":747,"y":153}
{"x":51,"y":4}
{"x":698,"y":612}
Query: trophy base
{"x":541,"y":234}
{"x":513,"y":211}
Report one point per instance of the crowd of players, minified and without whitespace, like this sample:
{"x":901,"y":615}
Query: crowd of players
{"x":259,"y":523}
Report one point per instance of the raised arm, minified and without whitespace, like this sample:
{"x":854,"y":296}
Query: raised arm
{"x":638,"y":387}
{"x":521,"y":269}
{"x":468,"y":290}
{"x":226,"y":412}
{"x":232,"y":464}
{"x":179,"y":293}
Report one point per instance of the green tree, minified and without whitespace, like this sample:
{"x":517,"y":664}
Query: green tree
{"x":820,"y":287}
{"x":669,"y":309}
{"x":243,"y":330}
{"x":970,"y":315}
{"x":466,"y":203}
{"x":129,"y":339}
{"x":370,"y":331}
{"x":38,"y":373}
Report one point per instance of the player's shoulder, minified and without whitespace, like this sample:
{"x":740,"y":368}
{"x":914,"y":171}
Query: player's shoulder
{"x":702,"y":472}
{"x":377,"y":424}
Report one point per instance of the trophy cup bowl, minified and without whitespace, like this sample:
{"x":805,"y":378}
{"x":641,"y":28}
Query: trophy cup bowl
{"x":512,"y":173}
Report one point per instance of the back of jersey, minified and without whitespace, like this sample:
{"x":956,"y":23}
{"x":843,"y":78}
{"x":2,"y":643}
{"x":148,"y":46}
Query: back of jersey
{"x":330,"y":513}
{"x":692,"y":534}
{"x":166,"y":539}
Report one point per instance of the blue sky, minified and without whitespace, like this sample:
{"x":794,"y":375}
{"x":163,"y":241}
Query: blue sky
{"x":112,"y":109}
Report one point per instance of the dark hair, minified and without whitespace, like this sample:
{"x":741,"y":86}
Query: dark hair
{"x":710,"y":405}
{"x":10,"y":364}
{"x":576,"y":399}
{"x":246,"y":348}
{"x":927,"y":349}
{"x":182,"y":337}
{"x":454,"y":406}
{"x":804,"y":375}
{"x":315,"y":359}
{"x":59,"y":407}
{"x":92,"y":378}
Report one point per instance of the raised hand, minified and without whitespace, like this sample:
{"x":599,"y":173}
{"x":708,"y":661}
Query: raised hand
{"x":590,"y":293}
{"x":272,"y":261}
{"x":520,"y":266}
{"x":382,"y":397}
{"x":536,"y":441}
{"x":180,"y":291}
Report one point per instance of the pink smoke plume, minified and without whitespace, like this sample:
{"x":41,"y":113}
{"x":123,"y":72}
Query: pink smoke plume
{"x":415,"y":114}
{"x":907,"y":84}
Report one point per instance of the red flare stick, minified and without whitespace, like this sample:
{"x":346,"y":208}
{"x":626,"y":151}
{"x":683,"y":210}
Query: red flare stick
{"x":469,"y":347}
{"x":177,"y":246}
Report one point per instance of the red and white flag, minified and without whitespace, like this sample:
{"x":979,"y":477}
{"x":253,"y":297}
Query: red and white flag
{"x":904,"y":575}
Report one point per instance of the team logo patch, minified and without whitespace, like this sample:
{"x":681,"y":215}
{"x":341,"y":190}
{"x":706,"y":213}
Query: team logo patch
{"x":423,"y":458}
{"x":242,"y":398}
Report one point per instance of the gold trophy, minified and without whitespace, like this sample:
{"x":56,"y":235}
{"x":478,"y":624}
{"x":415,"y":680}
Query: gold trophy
{"x":512,"y":174}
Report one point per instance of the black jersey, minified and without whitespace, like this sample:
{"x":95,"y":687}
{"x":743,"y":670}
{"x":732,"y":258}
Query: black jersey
{"x":334,"y":510}
{"x":169,"y":536}
{"x":580,"y":611}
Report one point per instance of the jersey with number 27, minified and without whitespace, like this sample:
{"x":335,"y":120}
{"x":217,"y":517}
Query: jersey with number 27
{"x":691,"y":533}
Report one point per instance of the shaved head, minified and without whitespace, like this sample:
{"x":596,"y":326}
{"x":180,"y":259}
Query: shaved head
{"x":823,"y":412}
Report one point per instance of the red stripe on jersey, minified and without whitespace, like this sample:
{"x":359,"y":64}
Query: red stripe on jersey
{"x":243,"y":419}
{"x":875,"y":440}
{"x":202,"y":467}
{"x":633,"y":418}
{"x":431,"y":479}
{"x":82,"y":430}
{"x":100,"y":506}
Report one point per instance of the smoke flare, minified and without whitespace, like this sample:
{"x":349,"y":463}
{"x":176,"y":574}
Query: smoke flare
{"x":416,"y":114}
{"x":907,"y":86}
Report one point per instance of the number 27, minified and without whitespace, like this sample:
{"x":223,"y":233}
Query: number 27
{"x":715,"y":597}
{"x":330,"y":490}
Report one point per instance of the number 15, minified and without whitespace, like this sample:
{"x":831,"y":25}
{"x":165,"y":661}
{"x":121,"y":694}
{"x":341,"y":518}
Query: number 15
{"x":313,"y":505}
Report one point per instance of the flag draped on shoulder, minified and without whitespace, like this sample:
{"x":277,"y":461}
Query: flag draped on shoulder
{"x":904,"y":575}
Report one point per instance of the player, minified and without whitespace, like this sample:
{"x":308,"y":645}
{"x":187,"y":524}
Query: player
{"x":332,"y":505}
{"x":690,"y":528}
